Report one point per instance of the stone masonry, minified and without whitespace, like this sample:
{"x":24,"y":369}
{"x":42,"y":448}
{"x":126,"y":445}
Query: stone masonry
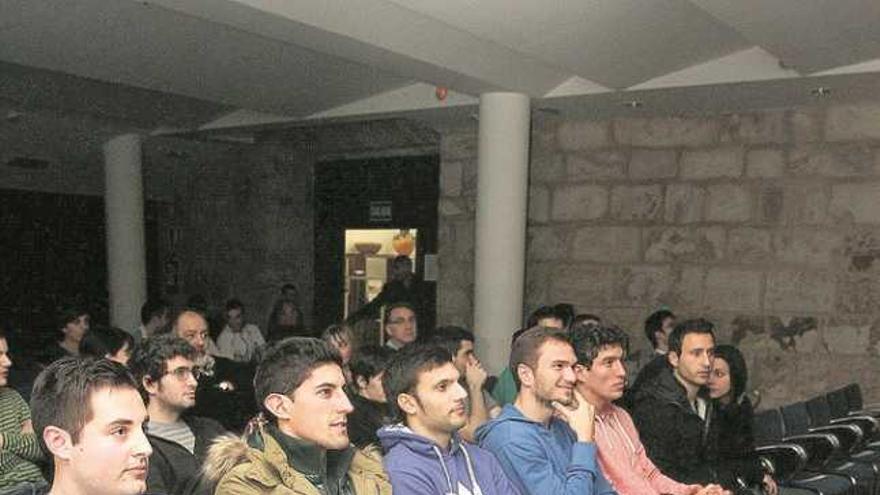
{"x":768,"y":223}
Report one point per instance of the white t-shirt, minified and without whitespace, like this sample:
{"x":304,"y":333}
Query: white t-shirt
{"x":240,"y":346}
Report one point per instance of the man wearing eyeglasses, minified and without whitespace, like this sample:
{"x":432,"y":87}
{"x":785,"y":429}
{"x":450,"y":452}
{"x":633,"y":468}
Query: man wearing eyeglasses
{"x":165,"y":369}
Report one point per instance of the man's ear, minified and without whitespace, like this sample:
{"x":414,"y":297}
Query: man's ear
{"x":150,"y":385}
{"x":361,"y":382}
{"x":408,"y":403}
{"x":278,"y":405}
{"x":672,"y":357}
{"x":526,"y":374}
{"x":58,"y":441}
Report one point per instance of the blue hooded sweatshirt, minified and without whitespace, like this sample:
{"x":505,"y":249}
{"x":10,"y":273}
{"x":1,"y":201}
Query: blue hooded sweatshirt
{"x":540,"y":459}
{"x":418,"y":466}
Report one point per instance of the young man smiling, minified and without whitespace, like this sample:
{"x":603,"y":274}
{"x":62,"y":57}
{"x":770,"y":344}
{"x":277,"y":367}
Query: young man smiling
{"x":164,"y":366}
{"x":672,"y":411}
{"x":424,"y":454}
{"x":601,"y":375}
{"x":544,"y":440}
{"x":304,"y":448}
{"x":89,"y":417}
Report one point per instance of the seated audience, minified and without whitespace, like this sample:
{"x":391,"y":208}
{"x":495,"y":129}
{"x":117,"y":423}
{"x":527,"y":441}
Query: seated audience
{"x":108,"y":343}
{"x":242,"y":342}
{"x":89,"y":417}
{"x":544,"y":440}
{"x":401,"y":325}
{"x":341,"y":339}
{"x":734,"y":417}
{"x":225,"y":390}
{"x":481,"y":406}
{"x":19,"y":448}
{"x":165,"y":369}
{"x":154,"y":318}
{"x":73,"y":324}
{"x":505,"y":389}
{"x":285,"y":320}
{"x":671,"y":410}
{"x":367,"y":395}
{"x":304,"y":448}
{"x":601,"y":375}
{"x":424,"y":454}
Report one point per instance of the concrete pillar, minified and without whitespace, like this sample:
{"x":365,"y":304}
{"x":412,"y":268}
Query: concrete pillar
{"x":502,"y":201}
{"x":124,"y":212}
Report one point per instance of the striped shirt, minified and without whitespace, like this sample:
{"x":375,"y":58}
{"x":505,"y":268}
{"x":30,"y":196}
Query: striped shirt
{"x":178,"y":432}
{"x":20,"y":451}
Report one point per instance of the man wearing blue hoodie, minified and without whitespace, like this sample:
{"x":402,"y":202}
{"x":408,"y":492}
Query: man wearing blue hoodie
{"x":544,"y":440}
{"x":424,"y":454}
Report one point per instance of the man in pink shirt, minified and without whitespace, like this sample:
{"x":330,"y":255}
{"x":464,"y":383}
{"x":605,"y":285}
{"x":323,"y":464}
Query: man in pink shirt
{"x":601,"y":377}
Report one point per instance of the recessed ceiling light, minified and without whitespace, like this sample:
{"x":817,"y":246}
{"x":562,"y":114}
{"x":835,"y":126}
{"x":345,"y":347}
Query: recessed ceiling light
{"x":633,"y":104}
{"x":821,"y":92}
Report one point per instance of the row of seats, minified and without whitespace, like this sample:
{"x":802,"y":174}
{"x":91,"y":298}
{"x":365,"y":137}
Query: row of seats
{"x":829,"y":444}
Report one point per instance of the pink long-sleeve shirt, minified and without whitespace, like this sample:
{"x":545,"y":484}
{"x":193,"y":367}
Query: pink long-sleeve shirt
{"x":624,"y":461}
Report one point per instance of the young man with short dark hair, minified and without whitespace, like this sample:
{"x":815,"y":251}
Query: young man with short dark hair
{"x":423,"y":452}
{"x":165,"y":368}
{"x":671,"y":411}
{"x":239,"y":341}
{"x":368,"y":365}
{"x":401,"y":325}
{"x":19,"y":447}
{"x":304,"y":448}
{"x":154,"y":319}
{"x":89,"y":418}
{"x":481,"y":406}
{"x":601,"y":375}
{"x":544,"y":440}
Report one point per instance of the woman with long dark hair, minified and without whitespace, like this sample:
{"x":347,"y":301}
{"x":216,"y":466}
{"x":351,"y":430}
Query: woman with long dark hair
{"x":734,"y":415}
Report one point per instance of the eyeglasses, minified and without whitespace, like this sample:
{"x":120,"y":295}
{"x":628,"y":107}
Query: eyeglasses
{"x":183,"y":372}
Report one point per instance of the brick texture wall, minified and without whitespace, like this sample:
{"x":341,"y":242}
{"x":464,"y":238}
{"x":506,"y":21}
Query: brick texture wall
{"x":768,"y":223}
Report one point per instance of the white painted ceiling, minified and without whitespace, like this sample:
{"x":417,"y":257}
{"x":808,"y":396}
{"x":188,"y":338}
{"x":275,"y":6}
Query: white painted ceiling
{"x":280,"y":61}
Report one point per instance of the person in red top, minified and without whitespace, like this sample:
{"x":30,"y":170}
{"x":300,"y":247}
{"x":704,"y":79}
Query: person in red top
{"x":601,"y":376}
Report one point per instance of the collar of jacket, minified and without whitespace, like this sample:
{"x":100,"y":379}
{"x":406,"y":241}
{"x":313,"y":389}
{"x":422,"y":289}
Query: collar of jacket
{"x":320,"y":466}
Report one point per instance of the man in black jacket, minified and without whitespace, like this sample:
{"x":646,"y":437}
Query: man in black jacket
{"x":673,"y":414}
{"x":165,"y":368}
{"x":225,"y":391}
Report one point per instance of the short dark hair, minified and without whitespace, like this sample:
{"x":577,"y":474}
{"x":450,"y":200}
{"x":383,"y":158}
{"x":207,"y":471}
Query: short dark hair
{"x":153,"y":308}
{"x":565,"y":312}
{"x":585,"y":317}
{"x":288,"y":286}
{"x":234,"y":304}
{"x":69,"y":313}
{"x":402,"y":374}
{"x":62,"y":393}
{"x":540,"y":314}
{"x":197,"y":303}
{"x":368,"y":361}
{"x":397,"y":305}
{"x":697,"y":325}
{"x":451,"y":337}
{"x":589,"y":339}
{"x":336,"y":331}
{"x":287,"y":363}
{"x":150,"y":359}
{"x":102,"y":341}
{"x":526,"y":346}
{"x":654,"y":324}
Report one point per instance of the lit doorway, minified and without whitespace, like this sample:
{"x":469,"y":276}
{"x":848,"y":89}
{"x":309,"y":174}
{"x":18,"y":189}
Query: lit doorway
{"x":368,"y":256}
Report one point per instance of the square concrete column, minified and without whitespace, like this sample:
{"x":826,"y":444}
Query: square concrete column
{"x":124,"y":212}
{"x":502,"y":209}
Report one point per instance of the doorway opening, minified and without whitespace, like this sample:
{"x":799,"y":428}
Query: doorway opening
{"x":368,"y":257}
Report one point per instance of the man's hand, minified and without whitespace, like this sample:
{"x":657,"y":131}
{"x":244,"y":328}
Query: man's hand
{"x":769,"y":483}
{"x":475,"y":375}
{"x":580,"y":415}
{"x":711,"y":490}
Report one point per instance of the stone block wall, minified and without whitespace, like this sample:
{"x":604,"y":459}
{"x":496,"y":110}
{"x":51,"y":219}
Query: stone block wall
{"x":766,"y":222}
